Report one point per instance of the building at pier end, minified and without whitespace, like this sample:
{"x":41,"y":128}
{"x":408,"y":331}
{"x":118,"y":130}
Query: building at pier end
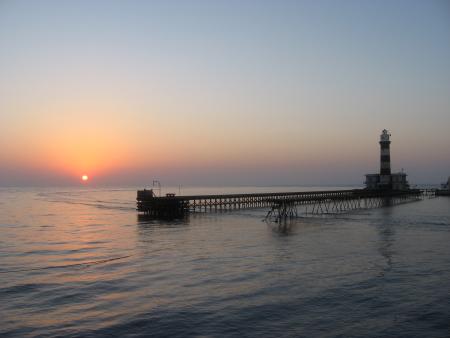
{"x":385,"y":180}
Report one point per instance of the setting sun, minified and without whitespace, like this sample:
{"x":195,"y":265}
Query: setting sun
{"x":85,"y":177}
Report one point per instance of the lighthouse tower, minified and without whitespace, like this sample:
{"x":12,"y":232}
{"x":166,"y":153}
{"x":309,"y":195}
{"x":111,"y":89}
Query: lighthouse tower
{"x":385,"y":179}
{"x":385,"y":161}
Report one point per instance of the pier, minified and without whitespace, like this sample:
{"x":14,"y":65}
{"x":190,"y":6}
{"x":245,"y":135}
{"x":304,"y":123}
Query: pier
{"x":282,"y":204}
{"x":382,"y":189}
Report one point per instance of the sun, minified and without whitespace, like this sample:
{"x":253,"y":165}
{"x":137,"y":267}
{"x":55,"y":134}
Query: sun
{"x":84,"y":178}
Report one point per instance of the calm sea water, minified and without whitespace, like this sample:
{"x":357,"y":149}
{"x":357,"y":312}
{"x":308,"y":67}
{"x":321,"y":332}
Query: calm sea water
{"x":81,"y":263}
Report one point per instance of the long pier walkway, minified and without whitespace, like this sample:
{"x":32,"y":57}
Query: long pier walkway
{"x":282,"y":204}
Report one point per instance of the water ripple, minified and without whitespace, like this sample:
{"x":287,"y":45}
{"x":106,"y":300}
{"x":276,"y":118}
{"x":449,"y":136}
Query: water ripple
{"x":74,"y":265}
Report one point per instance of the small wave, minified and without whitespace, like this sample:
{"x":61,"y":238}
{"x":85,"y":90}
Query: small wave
{"x":101,"y":261}
{"x":23,"y":288}
{"x":79,"y":192}
{"x":95,"y":205}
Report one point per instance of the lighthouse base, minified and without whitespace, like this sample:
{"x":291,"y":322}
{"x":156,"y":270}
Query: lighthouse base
{"x":395,"y":181}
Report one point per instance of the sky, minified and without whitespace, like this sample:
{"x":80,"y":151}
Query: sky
{"x":222,"y":92}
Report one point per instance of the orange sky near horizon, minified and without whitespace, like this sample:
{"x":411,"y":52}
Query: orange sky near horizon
{"x":107,"y":138}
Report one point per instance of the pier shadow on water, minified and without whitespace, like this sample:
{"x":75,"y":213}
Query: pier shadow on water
{"x":385,"y":248}
{"x":284,"y":227}
{"x":144,"y":219}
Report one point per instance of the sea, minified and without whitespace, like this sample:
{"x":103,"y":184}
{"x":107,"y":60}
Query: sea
{"x":81,"y":262}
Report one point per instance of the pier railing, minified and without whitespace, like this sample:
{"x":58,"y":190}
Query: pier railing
{"x":172,"y":206}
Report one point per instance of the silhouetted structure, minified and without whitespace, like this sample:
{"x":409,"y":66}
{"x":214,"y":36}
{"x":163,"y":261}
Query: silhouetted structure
{"x":445,"y":189}
{"x":283,"y":203}
{"x":385,"y":180}
{"x":382,"y":189}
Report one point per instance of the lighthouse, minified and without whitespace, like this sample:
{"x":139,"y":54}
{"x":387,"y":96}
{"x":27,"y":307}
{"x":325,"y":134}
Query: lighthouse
{"x":385,"y":179}
{"x":385,"y":160}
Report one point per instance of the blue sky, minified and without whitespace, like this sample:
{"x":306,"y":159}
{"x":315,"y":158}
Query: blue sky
{"x":226,"y":92}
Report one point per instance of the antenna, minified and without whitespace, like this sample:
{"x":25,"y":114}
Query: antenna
{"x":158,"y":185}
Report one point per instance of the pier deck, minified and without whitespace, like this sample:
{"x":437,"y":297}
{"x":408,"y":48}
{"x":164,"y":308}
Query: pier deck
{"x":173,"y":206}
